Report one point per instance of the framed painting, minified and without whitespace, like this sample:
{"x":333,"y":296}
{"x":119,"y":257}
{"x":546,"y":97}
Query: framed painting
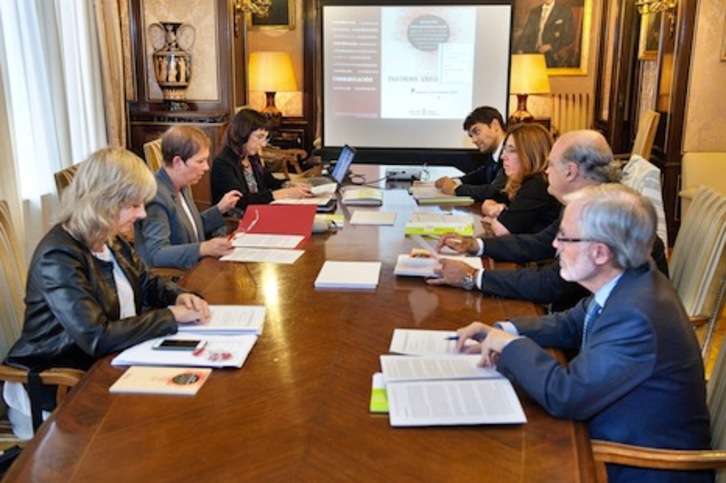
{"x":649,"y":36}
{"x":281,"y":16}
{"x":558,"y":30}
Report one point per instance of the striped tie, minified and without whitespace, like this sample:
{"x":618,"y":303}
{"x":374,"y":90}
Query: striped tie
{"x":593,"y":310}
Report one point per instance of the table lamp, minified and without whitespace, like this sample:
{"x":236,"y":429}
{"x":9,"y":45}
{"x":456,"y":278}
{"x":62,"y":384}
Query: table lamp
{"x":528,"y":76}
{"x":271,"y":72}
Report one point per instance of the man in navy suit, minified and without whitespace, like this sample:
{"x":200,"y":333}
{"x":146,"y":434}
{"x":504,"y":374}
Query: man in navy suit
{"x":174,"y":233}
{"x":549,"y":29}
{"x":486,"y":129}
{"x":638,"y":376}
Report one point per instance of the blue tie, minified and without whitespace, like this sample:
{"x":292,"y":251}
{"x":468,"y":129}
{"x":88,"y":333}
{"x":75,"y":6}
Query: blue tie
{"x":593,"y":310}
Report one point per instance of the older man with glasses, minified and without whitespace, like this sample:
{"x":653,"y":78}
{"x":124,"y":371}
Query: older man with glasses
{"x":638,"y":376}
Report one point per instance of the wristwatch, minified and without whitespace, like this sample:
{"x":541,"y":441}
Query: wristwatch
{"x":468,"y":283}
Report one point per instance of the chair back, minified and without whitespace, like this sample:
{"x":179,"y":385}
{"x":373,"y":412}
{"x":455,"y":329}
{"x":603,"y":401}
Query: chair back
{"x":12,"y":283}
{"x":63,"y":178}
{"x":698,"y":265}
{"x":717,"y":405}
{"x":152,"y":154}
{"x":644,"y":138}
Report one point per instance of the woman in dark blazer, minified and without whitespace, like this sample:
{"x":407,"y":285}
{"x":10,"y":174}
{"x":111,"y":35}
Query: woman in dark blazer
{"x":523,"y":206}
{"x":238,"y":165}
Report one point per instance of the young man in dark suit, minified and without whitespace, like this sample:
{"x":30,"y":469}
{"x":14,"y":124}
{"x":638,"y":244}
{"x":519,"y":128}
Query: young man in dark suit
{"x":486,"y":129}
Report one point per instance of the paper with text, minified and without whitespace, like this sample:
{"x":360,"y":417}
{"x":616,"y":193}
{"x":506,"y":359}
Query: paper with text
{"x":268,"y":255}
{"x":230,"y":319}
{"x":419,"y":342}
{"x":460,"y":402}
{"x":266,"y":241}
{"x":459,"y":366}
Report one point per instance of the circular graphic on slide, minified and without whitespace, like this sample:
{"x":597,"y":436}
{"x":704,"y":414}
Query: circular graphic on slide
{"x":428,"y":31}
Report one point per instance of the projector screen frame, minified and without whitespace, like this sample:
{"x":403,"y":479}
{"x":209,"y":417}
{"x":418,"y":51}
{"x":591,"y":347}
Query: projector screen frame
{"x":464,"y":158}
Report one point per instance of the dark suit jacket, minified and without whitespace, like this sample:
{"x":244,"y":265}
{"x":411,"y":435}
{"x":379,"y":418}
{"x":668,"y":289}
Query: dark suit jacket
{"x":523,"y":248}
{"x":227,"y":175}
{"x":166,"y":238}
{"x":559,"y":32}
{"x":484,"y":182}
{"x":639,"y":379}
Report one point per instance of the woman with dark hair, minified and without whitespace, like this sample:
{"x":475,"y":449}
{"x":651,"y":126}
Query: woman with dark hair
{"x":523,"y":206}
{"x":238,"y":165}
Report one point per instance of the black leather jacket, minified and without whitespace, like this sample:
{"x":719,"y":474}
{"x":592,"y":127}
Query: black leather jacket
{"x":72,"y":308}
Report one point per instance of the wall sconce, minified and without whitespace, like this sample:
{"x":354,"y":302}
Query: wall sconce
{"x":271,"y":72}
{"x":528,"y":76}
{"x":243,"y":7}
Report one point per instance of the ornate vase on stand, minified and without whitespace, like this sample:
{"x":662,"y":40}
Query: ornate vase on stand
{"x":172,"y":61}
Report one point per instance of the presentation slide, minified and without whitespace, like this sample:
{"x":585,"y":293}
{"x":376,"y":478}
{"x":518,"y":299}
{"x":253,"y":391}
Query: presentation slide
{"x":407,"y":76}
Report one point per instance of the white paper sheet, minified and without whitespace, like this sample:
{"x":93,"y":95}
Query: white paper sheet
{"x":268,"y":255}
{"x":459,"y":366}
{"x":230,"y":319}
{"x":266,"y":241}
{"x":460,"y":402}
{"x":418,"y":342}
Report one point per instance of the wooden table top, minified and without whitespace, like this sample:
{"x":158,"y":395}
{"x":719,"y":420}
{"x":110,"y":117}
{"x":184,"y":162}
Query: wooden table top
{"x":298,"y":408}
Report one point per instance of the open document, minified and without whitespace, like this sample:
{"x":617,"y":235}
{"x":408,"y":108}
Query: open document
{"x":266,"y":241}
{"x":230,"y":320}
{"x":447,"y":390}
{"x":419,"y":342}
{"x":267,"y":255}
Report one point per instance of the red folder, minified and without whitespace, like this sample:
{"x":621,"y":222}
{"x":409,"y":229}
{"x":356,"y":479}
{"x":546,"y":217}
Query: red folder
{"x":279,"y":220}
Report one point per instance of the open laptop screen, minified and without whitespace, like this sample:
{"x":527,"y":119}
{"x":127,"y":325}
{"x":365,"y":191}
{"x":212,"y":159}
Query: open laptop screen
{"x":343,"y":165}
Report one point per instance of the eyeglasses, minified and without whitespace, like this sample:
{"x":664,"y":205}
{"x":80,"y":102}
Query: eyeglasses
{"x":510,"y":150}
{"x":564,"y":239}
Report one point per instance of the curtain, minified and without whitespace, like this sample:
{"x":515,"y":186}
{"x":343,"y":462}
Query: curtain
{"x":112,"y":25}
{"x":51,"y":105}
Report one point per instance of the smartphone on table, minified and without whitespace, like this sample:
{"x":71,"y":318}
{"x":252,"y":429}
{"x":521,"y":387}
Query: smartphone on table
{"x":179,"y":345}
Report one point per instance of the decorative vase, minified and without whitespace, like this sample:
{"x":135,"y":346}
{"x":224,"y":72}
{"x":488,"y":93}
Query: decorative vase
{"x":172,"y":61}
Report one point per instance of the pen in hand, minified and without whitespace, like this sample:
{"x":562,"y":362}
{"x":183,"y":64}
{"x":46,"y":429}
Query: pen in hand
{"x":477,"y":337}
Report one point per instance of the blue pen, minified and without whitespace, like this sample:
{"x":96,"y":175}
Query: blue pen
{"x":477,"y":337}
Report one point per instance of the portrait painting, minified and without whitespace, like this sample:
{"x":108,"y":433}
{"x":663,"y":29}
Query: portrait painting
{"x":554,"y":28}
{"x":649,"y":36}
{"x":281,"y":16}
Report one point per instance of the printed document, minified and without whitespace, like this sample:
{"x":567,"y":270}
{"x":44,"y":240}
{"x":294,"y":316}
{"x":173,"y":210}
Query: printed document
{"x":268,"y":255}
{"x":418,"y":342}
{"x":230,"y":319}
{"x":266,"y":241}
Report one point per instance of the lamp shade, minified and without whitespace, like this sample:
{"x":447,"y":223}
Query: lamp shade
{"x":529,"y":75}
{"x":271,"y":72}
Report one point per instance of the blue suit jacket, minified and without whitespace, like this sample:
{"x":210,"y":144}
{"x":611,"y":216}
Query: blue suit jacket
{"x":638,"y":380}
{"x":166,"y":238}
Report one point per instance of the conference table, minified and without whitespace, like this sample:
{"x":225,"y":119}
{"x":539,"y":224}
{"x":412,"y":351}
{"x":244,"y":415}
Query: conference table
{"x":298,"y":410}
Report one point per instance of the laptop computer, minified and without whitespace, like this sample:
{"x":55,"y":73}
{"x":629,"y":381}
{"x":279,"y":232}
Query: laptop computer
{"x":340,"y":170}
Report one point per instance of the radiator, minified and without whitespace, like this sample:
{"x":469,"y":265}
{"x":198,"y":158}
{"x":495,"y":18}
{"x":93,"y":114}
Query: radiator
{"x":572,"y":111}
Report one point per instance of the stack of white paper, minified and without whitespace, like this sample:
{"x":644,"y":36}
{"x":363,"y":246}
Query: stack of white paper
{"x":361,"y":217}
{"x":348,"y":275}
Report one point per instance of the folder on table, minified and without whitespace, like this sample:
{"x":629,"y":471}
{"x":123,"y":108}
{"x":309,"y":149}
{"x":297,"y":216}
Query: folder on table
{"x":279,"y":220}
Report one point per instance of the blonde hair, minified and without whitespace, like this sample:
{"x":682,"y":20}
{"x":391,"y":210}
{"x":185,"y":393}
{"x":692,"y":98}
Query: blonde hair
{"x":533,"y":144}
{"x":108,"y":181}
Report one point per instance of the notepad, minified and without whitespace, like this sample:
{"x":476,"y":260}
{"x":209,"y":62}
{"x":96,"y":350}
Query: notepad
{"x":362,"y":217}
{"x":182,"y":381}
{"x":348,"y":275}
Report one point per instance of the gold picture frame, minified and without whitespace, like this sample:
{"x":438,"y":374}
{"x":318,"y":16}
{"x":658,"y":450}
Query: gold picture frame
{"x":571,"y":59}
{"x":649,"y":39}
{"x":281,"y":16}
